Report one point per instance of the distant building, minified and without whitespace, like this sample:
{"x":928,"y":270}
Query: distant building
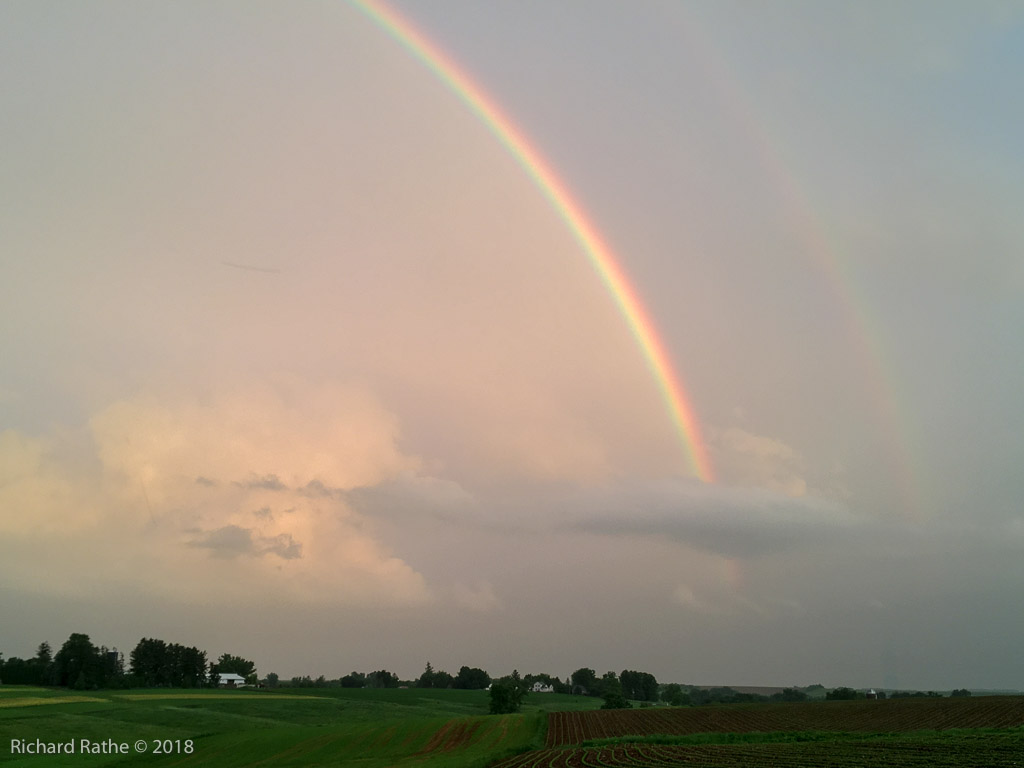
{"x":539,"y":687}
{"x":230,"y":680}
{"x":871,"y":694}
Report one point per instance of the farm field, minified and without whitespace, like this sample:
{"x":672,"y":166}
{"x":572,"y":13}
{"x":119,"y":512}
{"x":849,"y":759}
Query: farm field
{"x":921,"y":732}
{"x":450,"y":729}
{"x":994,"y":750}
{"x":863,"y":716}
{"x":297,"y":727}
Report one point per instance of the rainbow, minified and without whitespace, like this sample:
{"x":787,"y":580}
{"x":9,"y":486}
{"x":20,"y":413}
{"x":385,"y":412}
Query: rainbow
{"x":823,"y":253}
{"x":600,"y":255}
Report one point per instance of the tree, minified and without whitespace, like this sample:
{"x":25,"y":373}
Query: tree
{"x":640,"y":686}
{"x":471,"y":678}
{"x":149,"y":662}
{"x":502,"y":700}
{"x":841,"y":694}
{"x":16,"y":671}
{"x":272,"y":680}
{"x":584,"y":681}
{"x":674,"y":696}
{"x":381,"y":679}
{"x":155,"y":663}
{"x":236,"y":665}
{"x":960,"y":692}
{"x":77,"y":663}
{"x":353,"y":680}
{"x":545,"y":679}
{"x":426,"y":680}
{"x":42,"y":664}
{"x":611,"y":692}
{"x":507,"y":694}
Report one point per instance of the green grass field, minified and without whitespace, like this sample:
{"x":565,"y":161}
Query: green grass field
{"x":451,"y":729}
{"x":295,"y":727}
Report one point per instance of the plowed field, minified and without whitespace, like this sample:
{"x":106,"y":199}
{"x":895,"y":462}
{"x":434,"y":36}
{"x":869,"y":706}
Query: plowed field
{"x":953,"y":751}
{"x":886,"y":716}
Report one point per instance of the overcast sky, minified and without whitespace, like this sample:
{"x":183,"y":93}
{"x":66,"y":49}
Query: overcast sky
{"x":299,"y":364}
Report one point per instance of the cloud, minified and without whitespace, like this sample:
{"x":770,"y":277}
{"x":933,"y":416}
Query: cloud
{"x":229,"y":541}
{"x":732,"y":522}
{"x":267,"y":482}
{"x":754,"y":461}
{"x":479,"y":598}
{"x":415,"y":496}
{"x":158,"y":492}
{"x":232,"y":541}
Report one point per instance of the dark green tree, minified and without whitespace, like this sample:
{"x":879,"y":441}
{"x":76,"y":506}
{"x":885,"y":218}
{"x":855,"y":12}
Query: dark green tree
{"x":43,"y":664}
{"x":842,"y":694}
{"x":353,"y":680}
{"x":471,"y":678}
{"x":639,"y":686}
{"x":611,"y":692}
{"x":426,"y":680}
{"x":674,"y":696}
{"x":149,"y":663}
{"x":16,"y":671}
{"x":77,"y":663}
{"x":237,"y":666}
{"x":507,"y":694}
{"x":584,"y":681}
{"x":382,"y":679}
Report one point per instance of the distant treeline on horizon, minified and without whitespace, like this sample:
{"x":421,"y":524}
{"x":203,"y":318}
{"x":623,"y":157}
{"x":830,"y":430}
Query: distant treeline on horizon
{"x":81,"y":665}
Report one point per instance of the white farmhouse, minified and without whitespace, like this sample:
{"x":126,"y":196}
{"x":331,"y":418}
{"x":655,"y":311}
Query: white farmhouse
{"x":539,"y":687}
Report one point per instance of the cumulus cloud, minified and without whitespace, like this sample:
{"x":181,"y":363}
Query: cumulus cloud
{"x":219,"y":499}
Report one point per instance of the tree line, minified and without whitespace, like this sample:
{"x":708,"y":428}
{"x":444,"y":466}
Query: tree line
{"x":154,"y":663}
{"x":81,"y":665}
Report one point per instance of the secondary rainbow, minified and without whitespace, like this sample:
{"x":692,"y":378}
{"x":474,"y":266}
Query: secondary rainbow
{"x":600,"y":255}
{"x":823,"y":252}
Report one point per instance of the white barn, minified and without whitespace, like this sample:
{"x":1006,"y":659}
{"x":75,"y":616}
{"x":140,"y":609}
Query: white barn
{"x":230,"y":680}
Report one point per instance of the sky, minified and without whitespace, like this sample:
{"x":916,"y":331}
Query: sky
{"x":299,"y":362}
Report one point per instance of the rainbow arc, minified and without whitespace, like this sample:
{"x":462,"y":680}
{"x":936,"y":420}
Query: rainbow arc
{"x":600,"y":255}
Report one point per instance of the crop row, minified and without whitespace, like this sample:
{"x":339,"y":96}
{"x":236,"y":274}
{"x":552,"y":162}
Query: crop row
{"x":996,"y":751}
{"x":866,"y":716}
